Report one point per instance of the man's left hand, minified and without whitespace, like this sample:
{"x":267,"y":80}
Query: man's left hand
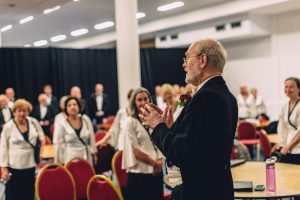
{"x":151,"y":115}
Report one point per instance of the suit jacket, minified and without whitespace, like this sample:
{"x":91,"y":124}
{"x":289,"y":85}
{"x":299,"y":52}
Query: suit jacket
{"x":93,"y":105}
{"x":49,"y":115}
{"x":200,"y":143}
{"x":54,"y":103}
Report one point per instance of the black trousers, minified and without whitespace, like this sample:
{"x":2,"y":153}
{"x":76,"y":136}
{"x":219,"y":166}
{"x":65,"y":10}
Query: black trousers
{"x":21,"y":184}
{"x":144,"y":186}
{"x":177,"y":193}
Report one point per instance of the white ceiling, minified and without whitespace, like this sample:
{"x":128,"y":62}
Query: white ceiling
{"x":85,"y":14}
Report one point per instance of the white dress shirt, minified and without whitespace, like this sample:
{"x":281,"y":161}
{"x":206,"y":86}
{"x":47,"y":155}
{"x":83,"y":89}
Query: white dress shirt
{"x":137,"y":136}
{"x":286,"y":132}
{"x":99,"y":100}
{"x":6,"y":114}
{"x":15,"y":152}
{"x":43,"y":110}
{"x":67,"y":146}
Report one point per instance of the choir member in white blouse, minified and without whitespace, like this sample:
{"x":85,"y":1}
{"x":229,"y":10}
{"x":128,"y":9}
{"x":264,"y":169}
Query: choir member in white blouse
{"x":18,"y":138}
{"x":168,"y":94}
{"x":256,"y":104}
{"x":289,"y":123}
{"x":142,"y":160}
{"x":115,"y":135}
{"x":74,"y":136}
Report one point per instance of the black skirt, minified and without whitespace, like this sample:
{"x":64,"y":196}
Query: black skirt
{"x":21,"y":184}
{"x":144,"y":186}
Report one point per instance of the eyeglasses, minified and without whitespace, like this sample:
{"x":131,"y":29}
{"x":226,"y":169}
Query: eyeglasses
{"x":186,"y":59}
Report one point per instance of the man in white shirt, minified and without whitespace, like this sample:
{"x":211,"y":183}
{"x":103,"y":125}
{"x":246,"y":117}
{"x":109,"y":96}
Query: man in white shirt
{"x":44,"y":113}
{"x":5,"y":111}
{"x":10,"y":93}
{"x":99,"y":104}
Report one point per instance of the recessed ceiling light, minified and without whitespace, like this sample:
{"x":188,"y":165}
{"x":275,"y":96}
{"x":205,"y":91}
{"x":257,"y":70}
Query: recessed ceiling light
{"x":40,"y":43}
{"x":27,"y":19}
{"x":170,"y":6}
{"x":140,"y":15}
{"x":79,"y":32}
{"x":58,"y":38}
{"x":49,"y":10}
{"x":27,"y":45}
{"x":104,"y":25}
{"x":5,"y":28}
{"x":76,"y":0}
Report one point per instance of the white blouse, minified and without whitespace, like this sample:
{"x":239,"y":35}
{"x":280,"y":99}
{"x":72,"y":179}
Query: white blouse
{"x":137,"y":136}
{"x":67,"y":145}
{"x":287,"y":130}
{"x":256,"y":106}
{"x":117,"y":130}
{"x":15,"y":152}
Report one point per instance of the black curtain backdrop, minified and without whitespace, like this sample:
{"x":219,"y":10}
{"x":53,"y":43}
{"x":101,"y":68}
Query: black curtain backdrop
{"x":159,"y":66}
{"x":28,"y":70}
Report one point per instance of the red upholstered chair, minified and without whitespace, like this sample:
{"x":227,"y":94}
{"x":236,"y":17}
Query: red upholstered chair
{"x":82,"y":172}
{"x":47,"y":140}
{"x":110,"y":119}
{"x":102,"y":188}
{"x":246,"y":130}
{"x":104,"y":155}
{"x":265,"y":144}
{"x":51,"y":130}
{"x":55,"y":182}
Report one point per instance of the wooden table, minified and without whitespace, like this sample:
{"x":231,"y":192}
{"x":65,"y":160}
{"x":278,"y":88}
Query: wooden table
{"x":48,"y":151}
{"x":273,"y":138}
{"x":287,"y":179}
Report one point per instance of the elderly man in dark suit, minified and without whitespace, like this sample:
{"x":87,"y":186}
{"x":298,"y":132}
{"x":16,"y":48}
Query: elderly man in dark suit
{"x":44,"y":113}
{"x":99,"y":104}
{"x":198,"y":145}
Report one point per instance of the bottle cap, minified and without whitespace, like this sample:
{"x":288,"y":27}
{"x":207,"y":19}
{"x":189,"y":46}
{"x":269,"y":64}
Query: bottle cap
{"x":271,"y":161}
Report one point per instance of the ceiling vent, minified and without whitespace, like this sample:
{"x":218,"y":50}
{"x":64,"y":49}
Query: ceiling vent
{"x":229,"y":30}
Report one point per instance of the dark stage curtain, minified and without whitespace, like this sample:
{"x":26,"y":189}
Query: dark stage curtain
{"x":159,"y":66}
{"x":28,"y":70}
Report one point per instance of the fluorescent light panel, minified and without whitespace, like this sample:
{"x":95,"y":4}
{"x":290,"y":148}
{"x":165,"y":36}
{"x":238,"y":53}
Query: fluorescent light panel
{"x":58,"y":38}
{"x":79,"y":32}
{"x":104,"y":25}
{"x":47,"y":11}
{"x":170,"y":6}
{"x":27,"y":19}
{"x":140,"y":15}
{"x":40,"y":43}
{"x":5,"y":28}
{"x":27,"y":45}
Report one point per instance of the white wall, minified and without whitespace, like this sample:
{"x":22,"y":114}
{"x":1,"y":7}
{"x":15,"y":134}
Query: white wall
{"x":266,"y":62}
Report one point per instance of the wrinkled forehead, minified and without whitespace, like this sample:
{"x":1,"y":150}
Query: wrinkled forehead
{"x":191,"y":49}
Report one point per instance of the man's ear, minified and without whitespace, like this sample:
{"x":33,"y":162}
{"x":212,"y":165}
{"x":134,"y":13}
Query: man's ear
{"x":203,"y":60}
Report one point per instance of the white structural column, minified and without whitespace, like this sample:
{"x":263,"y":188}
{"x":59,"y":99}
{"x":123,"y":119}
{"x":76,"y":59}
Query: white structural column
{"x":128,"y":52}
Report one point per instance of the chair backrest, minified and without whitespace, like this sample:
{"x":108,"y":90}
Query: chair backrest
{"x":246,"y":130}
{"x":102,"y":188}
{"x":55,"y":182}
{"x":110,"y":119}
{"x":105,"y":155}
{"x":265,"y":144}
{"x":82,"y":172}
{"x":47,"y":140}
{"x":120,"y":173}
{"x":100,"y":134}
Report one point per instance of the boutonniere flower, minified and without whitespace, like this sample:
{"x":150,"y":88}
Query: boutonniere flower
{"x":184,"y":99}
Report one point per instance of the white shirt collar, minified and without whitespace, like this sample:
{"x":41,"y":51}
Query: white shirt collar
{"x":205,"y":81}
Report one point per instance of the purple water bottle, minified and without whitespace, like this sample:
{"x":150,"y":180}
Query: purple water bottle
{"x":270,"y":174}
